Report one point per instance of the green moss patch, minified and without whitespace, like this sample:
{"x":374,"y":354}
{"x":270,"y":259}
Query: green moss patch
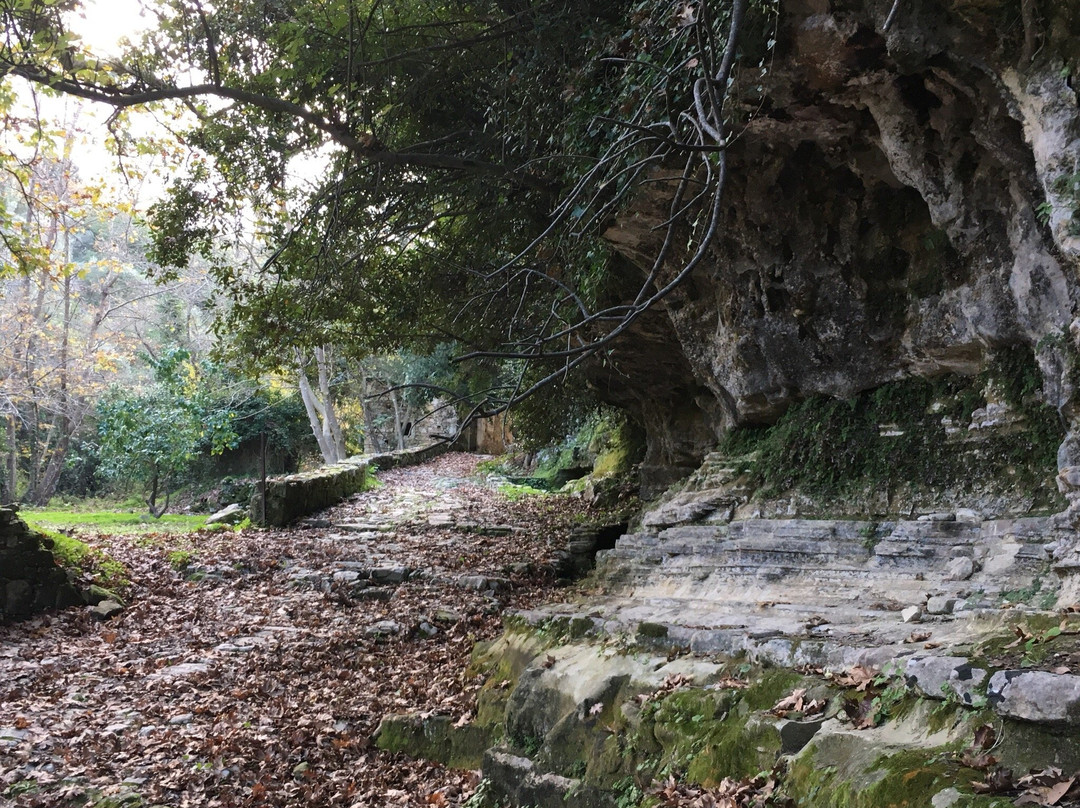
{"x":707,"y":734}
{"x":846,"y":772}
{"x":899,"y":433}
{"x":84,"y":560}
{"x":113,"y":522}
{"x":434,"y":738}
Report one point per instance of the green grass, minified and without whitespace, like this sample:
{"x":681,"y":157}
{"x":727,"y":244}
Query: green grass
{"x":515,"y":492}
{"x":112,"y":521}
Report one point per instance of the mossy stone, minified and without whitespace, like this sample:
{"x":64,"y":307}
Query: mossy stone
{"x":434,"y":738}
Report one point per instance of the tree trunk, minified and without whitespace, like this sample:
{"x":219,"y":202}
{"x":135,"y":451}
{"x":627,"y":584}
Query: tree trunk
{"x":320,"y":412}
{"x":1027,"y":15}
{"x":50,"y":478}
{"x":307,"y":395}
{"x":371,"y":437}
{"x":151,"y":501}
{"x":12,"y":459}
{"x":324,"y":360}
{"x":397,"y":420}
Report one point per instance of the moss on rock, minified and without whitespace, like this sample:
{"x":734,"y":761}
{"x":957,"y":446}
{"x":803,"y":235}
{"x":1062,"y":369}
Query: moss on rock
{"x":436,"y":738}
{"x":913,"y":430}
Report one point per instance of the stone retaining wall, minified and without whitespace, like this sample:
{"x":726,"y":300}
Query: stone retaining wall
{"x":30,"y":580}
{"x":294,"y":496}
{"x":405,"y":457}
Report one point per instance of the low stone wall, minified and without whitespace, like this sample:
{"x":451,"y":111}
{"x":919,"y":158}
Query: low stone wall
{"x":294,"y":496}
{"x":30,"y":580}
{"x":405,"y":457}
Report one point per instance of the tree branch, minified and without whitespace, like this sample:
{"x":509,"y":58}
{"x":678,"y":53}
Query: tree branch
{"x":365,"y":146}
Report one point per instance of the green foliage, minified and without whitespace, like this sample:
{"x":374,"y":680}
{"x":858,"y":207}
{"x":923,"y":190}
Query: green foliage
{"x":445,"y":135}
{"x":152,"y":436}
{"x":514,"y":492}
{"x":179,"y":559}
{"x":1068,"y":187}
{"x":628,"y":794}
{"x":482,"y":797}
{"x":111,"y":521}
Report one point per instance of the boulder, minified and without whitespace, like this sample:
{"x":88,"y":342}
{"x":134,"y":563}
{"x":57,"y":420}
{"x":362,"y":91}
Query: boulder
{"x":384,"y":628}
{"x":938,"y":677}
{"x":959,"y":569}
{"x":106,"y":609}
{"x":232,"y":515}
{"x":940,"y":604}
{"x":1049,"y":698}
{"x":912,"y":614}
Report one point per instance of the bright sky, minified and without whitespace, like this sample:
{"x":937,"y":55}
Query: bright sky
{"x":104,"y":22}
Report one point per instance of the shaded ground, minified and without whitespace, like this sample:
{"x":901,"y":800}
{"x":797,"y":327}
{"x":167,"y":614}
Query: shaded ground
{"x":256,"y":672}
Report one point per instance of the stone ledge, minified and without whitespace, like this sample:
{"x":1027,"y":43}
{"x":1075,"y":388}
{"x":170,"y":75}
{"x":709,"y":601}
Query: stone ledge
{"x":405,"y":457}
{"x":1038,"y":697}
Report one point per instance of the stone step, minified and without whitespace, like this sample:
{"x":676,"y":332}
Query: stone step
{"x":734,"y":572}
{"x":810,"y":529}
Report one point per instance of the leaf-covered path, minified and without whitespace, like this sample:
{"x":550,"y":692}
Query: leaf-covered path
{"x":256,"y":673}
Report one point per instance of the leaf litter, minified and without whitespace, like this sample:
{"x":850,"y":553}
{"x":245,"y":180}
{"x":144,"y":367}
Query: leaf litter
{"x":256,"y":673}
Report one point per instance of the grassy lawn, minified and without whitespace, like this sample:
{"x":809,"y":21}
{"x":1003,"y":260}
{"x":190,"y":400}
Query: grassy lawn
{"x":112,"y":521}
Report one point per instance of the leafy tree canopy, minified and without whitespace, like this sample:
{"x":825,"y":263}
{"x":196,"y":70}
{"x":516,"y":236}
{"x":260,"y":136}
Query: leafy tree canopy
{"x":151,"y":436}
{"x":426,"y":171}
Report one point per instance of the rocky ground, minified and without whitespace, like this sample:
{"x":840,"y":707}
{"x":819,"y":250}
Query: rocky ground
{"x":251,"y":668}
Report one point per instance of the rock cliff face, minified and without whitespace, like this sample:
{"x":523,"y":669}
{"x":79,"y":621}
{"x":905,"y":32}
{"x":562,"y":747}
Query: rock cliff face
{"x":905,"y":203}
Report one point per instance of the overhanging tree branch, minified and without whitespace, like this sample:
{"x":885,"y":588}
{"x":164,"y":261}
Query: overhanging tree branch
{"x":364,"y":146}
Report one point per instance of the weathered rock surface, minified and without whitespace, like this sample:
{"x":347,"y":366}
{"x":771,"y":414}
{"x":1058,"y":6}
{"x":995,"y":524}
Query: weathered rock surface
{"x":106,"y":609}
{"x":1048,"y":698}
{"x":900,"y":206}
{"x":229,"y":515}
{"x":434,"y":738}
{"x":582,"y":723}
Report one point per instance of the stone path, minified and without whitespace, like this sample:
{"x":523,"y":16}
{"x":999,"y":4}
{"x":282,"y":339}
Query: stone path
{"x":256,"y":671}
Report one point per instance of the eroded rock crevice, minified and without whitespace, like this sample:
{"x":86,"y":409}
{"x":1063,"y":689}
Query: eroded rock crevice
{"x":895,"y":209}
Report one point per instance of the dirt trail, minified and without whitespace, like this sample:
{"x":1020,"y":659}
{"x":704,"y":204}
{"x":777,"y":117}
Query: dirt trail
{"x":256,"y":673}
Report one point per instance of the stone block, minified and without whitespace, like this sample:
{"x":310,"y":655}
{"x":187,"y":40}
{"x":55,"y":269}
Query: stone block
{"x":389,"y":575}
{"x":940,"y":604}
{"x":1040,"y":696}
{"x":959,"y":569}
{"x":794,"y":735}
{"x":18,"y":598}
{"x":912,"y":614}
{"x":67,"y":596}
{"x":517,"y":780}
{"x":106,"y":609}
{"x":231,"y":515}
{"x":937,"y":677}
{"x":434,"y":738}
